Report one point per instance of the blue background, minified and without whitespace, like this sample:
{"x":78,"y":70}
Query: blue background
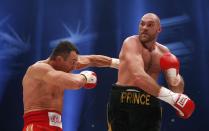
{"x":29,"y":29}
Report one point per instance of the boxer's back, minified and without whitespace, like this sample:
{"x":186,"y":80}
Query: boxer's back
{"x":39,"y":95}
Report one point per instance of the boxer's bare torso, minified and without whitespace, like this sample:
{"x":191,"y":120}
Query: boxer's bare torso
{"x":148,"y":59}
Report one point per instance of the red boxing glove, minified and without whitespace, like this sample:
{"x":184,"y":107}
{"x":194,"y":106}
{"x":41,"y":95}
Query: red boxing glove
{"x":169,"y":62}
{"x":184,"y":106}
{"x":91,"y":79}
{"x":182,"y":103}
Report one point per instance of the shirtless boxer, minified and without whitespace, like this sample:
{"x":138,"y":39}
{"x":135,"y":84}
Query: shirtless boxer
{"x":45,"y":81}
{"x":134,"y":104}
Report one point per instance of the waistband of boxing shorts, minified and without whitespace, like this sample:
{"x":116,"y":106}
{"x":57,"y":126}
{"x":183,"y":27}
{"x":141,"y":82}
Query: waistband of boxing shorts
{"x":127,"y":88}
{"x":52,"y":117}
{"x":132,"y":89}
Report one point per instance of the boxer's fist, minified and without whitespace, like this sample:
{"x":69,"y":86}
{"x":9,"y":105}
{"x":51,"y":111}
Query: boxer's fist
{"x":182,"y":103}
{"x":91,"y":79}
{"x":169,"y":62}
{"x":184,"y":106}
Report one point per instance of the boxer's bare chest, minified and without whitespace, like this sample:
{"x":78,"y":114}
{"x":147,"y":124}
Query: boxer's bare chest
{"x":151,"y":60}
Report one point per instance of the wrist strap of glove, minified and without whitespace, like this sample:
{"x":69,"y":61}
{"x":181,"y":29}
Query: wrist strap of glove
{"x":84,"y":76}
{"x":115,"y":63}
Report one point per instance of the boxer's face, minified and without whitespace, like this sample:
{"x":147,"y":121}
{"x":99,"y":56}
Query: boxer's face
{"x":70,"y":62}
{"x":148,"y":29}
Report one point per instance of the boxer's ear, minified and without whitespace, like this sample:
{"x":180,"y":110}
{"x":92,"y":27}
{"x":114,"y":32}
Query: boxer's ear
{"x":159,"y":30}
{"x":59,"y":59}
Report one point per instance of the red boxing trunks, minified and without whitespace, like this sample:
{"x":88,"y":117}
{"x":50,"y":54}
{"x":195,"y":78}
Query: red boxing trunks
{"x":44,"y":120}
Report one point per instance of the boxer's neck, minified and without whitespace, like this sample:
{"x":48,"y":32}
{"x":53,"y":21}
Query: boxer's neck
{"x":149,"y":45}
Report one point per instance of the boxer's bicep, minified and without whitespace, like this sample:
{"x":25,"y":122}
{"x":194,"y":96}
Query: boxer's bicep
{"x":136,"y":64}
{"x":133,"y":59}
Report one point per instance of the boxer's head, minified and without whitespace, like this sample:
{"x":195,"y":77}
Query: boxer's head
{"x":149,"y":28}
{"x":64,"y":56}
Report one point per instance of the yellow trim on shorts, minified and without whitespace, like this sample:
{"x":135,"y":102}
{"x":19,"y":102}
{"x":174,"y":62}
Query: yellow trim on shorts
{"x":108,"y":123}
{"x":109,"y":126}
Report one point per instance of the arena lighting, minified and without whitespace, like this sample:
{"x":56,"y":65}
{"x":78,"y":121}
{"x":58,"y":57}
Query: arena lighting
{"x":176,"y":20}
{"x":11,"y":45}
{"x":80,"y":36}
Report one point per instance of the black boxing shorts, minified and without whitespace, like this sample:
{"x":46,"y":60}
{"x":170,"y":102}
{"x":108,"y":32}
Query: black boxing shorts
{"x":132,"y":109}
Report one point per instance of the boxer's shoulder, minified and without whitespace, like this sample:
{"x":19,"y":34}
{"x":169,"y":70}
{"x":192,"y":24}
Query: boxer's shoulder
{"x":132,"y":42}
{"x":40,"y":65}
{"x":134,"y":37}
{"x":38,"y":70}
{"x":162,"y":49}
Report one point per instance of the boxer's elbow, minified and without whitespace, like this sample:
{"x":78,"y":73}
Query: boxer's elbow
{"x":139,"y":79}
{"x":77,"y":83}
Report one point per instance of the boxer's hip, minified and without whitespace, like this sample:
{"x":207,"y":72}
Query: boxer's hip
{"x":130,"y":108}
{"x":50,"y":118}
{"x":130,"y":95}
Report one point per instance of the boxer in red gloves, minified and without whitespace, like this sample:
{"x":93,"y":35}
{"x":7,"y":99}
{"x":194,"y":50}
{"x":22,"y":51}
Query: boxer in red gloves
{"x":134,"y":101}
{"x":45,"y":81}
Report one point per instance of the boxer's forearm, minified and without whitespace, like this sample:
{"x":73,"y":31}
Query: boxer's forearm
{"x":104,"y":61}
{"x":146,"y":83}
{"x":100,"y":61}
{"x":179,"y":87}
{"x":97,"y":61}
